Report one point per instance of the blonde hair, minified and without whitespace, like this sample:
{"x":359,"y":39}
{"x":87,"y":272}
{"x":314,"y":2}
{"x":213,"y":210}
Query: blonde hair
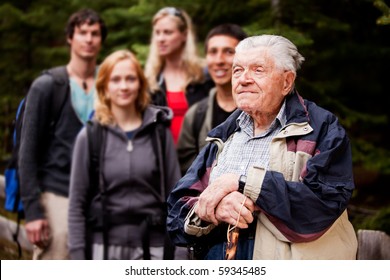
{"x":103,"y":112}
{"x":192,"y":64}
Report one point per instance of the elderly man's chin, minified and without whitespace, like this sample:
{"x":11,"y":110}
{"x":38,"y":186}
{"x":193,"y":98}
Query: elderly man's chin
{"x":245,"y":106}
{"x":244,"y":100}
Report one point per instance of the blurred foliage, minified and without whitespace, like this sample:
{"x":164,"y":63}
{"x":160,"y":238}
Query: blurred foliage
{"x":379,"y":221}
{"x":385,"y":18}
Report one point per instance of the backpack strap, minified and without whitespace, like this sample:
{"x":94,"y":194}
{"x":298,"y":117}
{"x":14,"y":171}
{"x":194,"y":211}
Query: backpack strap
{"x":59,"y":91}
{"x":159,"y":148}
{"x":96,"y":135}
{"x":198,"y":121}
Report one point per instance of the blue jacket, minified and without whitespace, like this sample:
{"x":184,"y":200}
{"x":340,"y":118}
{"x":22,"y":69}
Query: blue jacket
{"x":306,"y":189}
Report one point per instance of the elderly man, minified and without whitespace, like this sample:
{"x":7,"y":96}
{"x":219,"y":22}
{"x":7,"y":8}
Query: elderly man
{"x":276,"y":178}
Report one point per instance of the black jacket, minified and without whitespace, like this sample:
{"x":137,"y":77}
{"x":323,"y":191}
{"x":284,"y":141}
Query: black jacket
{"x":194,"y":91}
{"x":45,"y":153}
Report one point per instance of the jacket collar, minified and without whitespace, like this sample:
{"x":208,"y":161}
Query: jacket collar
{"x":296,"y":112}
{"x":152,"y":115}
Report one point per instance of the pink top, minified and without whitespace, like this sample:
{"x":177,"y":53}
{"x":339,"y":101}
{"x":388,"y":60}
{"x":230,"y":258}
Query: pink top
{"x":177,"y":101}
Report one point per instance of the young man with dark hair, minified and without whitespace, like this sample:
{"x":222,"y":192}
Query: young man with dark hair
{"x":46,"y":144}
{"x":210,"y":112}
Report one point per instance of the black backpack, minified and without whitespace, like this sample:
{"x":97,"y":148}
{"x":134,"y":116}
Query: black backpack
{"x":100,"y":220}
{"x":199,"y":119}
{"x":12,"y":186}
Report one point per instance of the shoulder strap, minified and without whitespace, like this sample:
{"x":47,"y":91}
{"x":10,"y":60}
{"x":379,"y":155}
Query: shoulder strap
{"x":96,"y":134}
{"x":159,"y":148}
{"x":59,"y":73}
{"x":59,"y":91}
{"x":93,"y":175}
{"x":199,"y":118}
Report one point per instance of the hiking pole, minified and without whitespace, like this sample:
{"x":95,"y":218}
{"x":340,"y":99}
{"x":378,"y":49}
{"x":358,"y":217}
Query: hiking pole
{"x":232,"y":242}
{"x":232,"y":238}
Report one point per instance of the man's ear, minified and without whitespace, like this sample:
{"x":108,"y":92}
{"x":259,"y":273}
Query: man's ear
{"x":289,"y":78}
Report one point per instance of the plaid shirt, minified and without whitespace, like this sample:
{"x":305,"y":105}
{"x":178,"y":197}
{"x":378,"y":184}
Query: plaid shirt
{"x":243,"y":150}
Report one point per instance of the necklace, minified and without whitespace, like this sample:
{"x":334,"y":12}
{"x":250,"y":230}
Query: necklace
{"x":85,"y":86}
{"x":83,"y":81}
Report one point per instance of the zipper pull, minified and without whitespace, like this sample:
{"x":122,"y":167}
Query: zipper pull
{"x":129,"y":146}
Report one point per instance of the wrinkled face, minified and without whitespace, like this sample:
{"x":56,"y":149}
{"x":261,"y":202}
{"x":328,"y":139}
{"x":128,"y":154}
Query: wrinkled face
{"x":86,"y":41}
{"x":167,"y":36}
{"x":219,"y":57}
{"x":258,"y":85}
{"x":123,"y":85}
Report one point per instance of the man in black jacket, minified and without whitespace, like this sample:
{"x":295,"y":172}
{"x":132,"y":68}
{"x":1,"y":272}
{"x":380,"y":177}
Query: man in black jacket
{"x":46,"y":146}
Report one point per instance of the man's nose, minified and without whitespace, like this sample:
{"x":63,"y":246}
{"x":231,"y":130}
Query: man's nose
{"x":219,"y":58}
{"x":246,"y":77}
{"x":89,"y":37}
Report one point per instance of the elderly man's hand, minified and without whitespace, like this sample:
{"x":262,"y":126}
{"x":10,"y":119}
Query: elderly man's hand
{"x":213,"y":194}
{"x":230,"y":209}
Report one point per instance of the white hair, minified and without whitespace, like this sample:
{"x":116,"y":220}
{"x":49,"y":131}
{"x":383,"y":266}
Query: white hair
{"x":284,"y":52}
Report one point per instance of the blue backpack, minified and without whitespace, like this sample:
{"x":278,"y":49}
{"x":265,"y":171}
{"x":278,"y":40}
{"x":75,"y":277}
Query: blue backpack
{"x":58,"y":97}
{"x":12,"y":196}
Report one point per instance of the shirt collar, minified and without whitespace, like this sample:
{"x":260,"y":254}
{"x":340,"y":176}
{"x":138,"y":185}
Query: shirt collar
{"x":244,"y":121}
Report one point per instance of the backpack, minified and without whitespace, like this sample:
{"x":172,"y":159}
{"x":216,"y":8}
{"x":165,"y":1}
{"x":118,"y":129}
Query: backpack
{"x":13,"y":202}
{"x":101,"y":220}
{"x":198,"y":121}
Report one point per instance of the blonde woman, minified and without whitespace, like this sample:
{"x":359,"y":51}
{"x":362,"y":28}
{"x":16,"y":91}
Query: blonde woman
{"x":175,"y":72}
{"x":121,"y":215}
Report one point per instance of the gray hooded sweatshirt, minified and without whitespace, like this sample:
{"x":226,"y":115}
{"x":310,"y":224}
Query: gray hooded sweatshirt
{"x":137,"y":179}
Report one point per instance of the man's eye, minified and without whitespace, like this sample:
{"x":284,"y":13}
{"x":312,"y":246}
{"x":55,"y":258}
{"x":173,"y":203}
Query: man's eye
{"x":230,"y":52}
{"x":237,"y":70}
{"x":259,"y":70}
{"x":96,"y":34}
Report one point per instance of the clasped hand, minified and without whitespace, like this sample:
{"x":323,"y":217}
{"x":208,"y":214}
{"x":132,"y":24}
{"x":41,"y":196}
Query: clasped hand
{"x":221,"y":202}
